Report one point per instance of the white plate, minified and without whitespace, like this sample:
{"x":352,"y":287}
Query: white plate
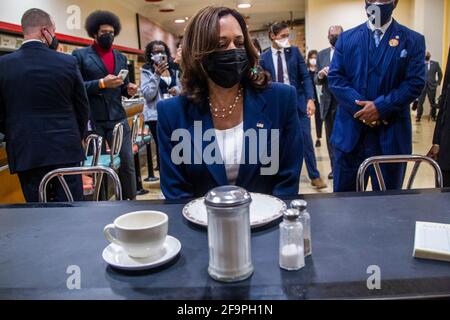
{"x":116,"y":257}
{"x":263,"y":210}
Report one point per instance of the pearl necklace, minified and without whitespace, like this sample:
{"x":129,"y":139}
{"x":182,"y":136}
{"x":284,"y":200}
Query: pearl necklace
{"x":227,"y":111}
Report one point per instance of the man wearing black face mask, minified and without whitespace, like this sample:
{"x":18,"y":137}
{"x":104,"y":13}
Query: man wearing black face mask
{"x":434,"y":79}
{"x":100,"y":65}
{"x":43,"y":108}
{"x":376,"y":73}
{"x":328,"y":103}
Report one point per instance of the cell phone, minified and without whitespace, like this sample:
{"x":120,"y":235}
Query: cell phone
{"x":159,"y":59}
{"x":123,"y":74}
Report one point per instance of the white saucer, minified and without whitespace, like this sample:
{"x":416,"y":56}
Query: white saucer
{"x":116,"y":257}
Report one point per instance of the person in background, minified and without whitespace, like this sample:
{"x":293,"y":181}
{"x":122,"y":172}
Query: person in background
{"x":311,"y":64}
{"x":440,"y":151}
{"x":257,"y":45}
{"x":159,"y":80}
{"x":376,"y":73}
{"x":100,"y":66}
{"x":286,"y":65}
{"x":328,"y":103}
{"x":434,"y":79}
{"x":226,"y":94}
{"x":44,"y":109}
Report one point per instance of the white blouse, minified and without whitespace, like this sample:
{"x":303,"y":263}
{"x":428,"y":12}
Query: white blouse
{"x":230,"y":143}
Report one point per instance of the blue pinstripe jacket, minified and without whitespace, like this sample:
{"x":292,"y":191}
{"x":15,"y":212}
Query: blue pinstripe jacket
{"x":400,"y":78}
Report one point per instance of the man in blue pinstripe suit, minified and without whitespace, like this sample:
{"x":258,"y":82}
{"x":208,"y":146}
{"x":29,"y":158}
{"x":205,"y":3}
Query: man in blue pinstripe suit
{"x":376,"y":72}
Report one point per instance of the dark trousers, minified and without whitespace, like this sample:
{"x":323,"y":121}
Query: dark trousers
{"x":153,"y":129}
{"x":308,"y":147}
{"x":127,"y":170}
{"x":446,"y":175}
{"x":329,"y":125}
{"x":31,"y":179}
{"x":319,"y":121}
{"x":346,"y":165}
{"x":431,"y":93}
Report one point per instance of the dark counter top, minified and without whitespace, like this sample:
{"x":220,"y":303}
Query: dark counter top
{"x":350,"y":233}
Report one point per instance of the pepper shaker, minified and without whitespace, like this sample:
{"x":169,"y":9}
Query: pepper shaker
{"x":229,"y":234}
{"x":305,"y":218}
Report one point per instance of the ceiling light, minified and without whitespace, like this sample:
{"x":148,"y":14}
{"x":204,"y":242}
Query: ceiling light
{"x":244,"y":4}
{"x":180,"y":21}
{"x":167,"y":7}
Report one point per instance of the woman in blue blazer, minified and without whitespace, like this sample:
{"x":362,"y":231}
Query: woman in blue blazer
{"x":231,"y":126}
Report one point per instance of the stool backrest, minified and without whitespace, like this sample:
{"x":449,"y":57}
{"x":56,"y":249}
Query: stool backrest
{"x":117,"y":139}
{"x":61,"y":173}
{"x":376,"y":161}
{"x":135,"y":128}
{"x":97,"y":142}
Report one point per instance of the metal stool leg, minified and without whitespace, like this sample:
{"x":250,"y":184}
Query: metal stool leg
{"x":151,"y":172}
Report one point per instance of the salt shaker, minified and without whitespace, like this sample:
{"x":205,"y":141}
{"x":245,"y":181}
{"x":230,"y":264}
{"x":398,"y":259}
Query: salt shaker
{"x":292,"y":254}
{"x":305,"y":218}
{"x":229,"y":234}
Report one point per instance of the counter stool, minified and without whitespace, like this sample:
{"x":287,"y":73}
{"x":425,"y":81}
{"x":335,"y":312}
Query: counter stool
{"x":137,"y":144}
{"x":61,"y":173}
{"x":376,"y":161}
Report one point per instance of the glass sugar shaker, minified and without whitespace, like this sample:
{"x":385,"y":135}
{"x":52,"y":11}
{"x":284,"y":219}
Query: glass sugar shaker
{"x":305,"y":218}
{"x":292,"y":254}
{"x":229,"y":234}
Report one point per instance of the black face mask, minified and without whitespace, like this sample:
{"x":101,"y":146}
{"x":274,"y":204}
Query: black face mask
{"x":333,"y":40}
{"x":105,"y":41}
{"x":428,"y":58}
{"x":55,"y":43}
{"x":226,"y":68}
{"x":385,"y":11}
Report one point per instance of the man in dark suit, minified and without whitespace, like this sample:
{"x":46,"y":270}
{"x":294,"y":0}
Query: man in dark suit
{"x":434,"y":79}
{"x":376,"y":73}
{"x":100,"y":65}
{"x":328,"y":103}
{"x":43,"y":108}
{"x":440,"y":151}
{"x":286,"y":65}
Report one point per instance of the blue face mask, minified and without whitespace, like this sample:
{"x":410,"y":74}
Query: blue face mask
{"x":380,"y":13}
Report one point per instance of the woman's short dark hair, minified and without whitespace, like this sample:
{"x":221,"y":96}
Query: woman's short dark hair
{"x":310,"y":54}
{"x":149,"y":50}
{"x":202,"y":37}
{"x":277,"y":27}
{"x":99,"y":18}
{"x":257,"y":45}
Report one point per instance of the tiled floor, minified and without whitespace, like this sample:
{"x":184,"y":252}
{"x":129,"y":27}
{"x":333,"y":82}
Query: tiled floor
{"x":422,"y":138}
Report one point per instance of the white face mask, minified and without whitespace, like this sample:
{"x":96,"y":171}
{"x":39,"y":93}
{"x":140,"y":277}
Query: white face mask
{"x":283,"y":43}
{"x":313,"y":62}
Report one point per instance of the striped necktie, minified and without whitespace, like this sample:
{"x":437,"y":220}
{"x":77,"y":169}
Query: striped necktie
{"x":377,"y":34}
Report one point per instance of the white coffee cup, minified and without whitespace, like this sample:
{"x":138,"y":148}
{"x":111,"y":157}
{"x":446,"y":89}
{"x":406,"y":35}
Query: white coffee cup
{"x":141,"y":234}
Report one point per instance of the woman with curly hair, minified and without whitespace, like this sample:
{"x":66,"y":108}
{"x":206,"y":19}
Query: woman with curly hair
{"x":237,"y":128}
{"x":159,"y":80}
{"x":100,"y":66}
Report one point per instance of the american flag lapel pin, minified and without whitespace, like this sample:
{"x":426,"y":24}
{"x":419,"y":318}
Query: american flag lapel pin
{"x":260,"y":125}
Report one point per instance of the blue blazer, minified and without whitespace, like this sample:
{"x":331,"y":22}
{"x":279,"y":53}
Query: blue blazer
{"x":271,"y":108}
{"x":400,"y":78}
{"x":43,"y":107}
{"x":299,"y":76}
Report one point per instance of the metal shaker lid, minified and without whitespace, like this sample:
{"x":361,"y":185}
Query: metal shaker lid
{"x":300,"y":205}
{"x":291,"y":214}
{"x":227,"y":196}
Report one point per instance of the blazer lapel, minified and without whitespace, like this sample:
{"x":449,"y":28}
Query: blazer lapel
{"x":98,"y":61}
{"x":270,"y":65}
{"x":254,"y":121}
{"x":117,"y":65}
{"x":386,"y":52}
{"x":288,"y":56}
{"x":364,"y":55}
{"x":200,"y":114}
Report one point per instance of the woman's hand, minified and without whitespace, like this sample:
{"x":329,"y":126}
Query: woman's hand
{"x":161,"y":68}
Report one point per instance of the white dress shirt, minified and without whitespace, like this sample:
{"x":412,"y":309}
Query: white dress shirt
{"x":383,"y":28}
{"x":275,"y":64}
{"x":32,"y":40}
{"x":230,"y":143}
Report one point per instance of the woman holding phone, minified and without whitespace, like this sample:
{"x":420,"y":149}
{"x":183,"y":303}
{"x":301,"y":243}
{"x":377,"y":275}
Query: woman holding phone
{"x":158,"y":82}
